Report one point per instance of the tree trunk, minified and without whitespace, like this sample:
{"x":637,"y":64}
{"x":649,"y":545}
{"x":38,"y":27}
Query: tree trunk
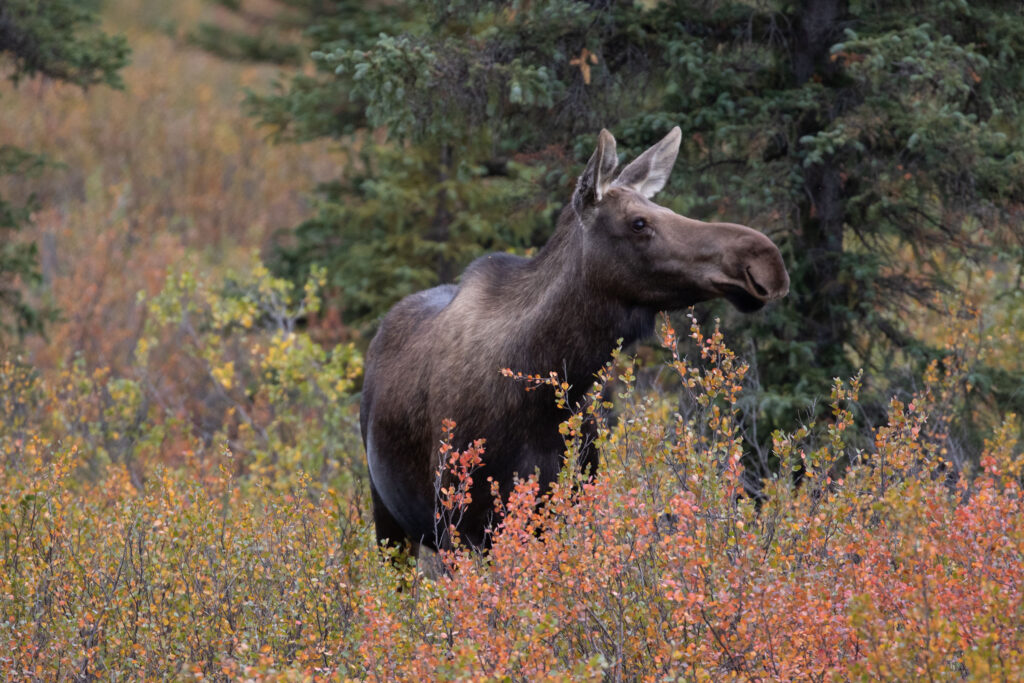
{"x":440,"y":228}
{"x":817,"y":28}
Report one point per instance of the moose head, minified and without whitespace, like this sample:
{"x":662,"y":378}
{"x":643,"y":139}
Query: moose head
{"x":649,"y":255}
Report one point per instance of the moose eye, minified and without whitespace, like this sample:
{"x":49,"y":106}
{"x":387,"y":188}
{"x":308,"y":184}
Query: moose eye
{"x":638,"y":225}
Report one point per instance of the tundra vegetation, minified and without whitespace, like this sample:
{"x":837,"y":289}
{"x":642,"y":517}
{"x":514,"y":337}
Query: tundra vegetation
{"x":184,"y":491}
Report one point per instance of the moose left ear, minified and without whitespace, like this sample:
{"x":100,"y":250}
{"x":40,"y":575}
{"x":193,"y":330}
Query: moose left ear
{"x":649,"y":172}
{"x":597,"y":176}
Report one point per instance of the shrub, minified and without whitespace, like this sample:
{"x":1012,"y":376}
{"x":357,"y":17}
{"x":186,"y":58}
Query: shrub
{"x":885,"y":561}
{"x":279,"y":400}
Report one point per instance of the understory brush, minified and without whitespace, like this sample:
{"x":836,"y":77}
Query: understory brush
{"x":884,"y":558}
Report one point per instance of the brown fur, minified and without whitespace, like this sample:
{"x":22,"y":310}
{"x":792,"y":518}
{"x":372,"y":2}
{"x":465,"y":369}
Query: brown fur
{"x":438,"y":353}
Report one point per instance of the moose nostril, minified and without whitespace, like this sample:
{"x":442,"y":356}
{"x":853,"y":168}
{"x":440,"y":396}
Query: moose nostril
{"x":761,"y":291}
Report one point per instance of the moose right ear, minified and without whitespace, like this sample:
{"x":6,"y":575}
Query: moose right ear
{"x":648,"y":173}
{"x":597,"y":176}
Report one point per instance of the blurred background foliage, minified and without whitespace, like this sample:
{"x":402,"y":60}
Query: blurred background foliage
{"x":60,"y":41}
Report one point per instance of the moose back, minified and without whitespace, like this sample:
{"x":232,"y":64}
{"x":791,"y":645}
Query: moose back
{"x":616,"y":259}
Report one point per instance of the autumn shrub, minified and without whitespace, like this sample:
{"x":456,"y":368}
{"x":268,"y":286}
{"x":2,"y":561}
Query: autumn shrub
{"x":887,"y":566}
{"x":892,"y":561}
{"x":279,"y":400}
{"x":101,"y":581}
{"x":220,"y":361}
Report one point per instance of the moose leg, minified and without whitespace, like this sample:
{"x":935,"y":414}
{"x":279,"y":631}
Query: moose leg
{"x":589,"y":459}
{"x":389,"y":532}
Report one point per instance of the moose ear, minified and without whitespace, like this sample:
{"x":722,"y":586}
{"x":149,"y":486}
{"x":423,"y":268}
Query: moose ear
{"x":597,"y":176}
{"x":649,"y":172}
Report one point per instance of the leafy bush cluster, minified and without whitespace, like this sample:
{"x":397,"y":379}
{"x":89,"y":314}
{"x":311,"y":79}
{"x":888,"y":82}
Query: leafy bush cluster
{"x":883,"y":558}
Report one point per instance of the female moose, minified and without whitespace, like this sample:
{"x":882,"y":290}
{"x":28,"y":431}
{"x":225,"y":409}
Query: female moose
{"x":615,"y":260}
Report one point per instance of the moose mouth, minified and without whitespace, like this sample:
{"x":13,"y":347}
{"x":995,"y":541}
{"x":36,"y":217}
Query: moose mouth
{"x":748,"y":297}
{"x":739,"y":297}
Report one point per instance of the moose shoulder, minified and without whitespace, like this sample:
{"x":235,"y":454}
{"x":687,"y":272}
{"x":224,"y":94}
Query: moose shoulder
{"x":616,"y":258}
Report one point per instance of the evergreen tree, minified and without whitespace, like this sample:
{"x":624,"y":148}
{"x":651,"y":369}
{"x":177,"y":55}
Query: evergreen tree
{"x":57,"y":39}
{"x":880,"y":144}
{"x":478,"y":101}
{"x":888,"y":149}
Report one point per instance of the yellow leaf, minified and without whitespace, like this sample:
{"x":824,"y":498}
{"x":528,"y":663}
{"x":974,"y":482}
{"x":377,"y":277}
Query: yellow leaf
{"x":585,"y":59}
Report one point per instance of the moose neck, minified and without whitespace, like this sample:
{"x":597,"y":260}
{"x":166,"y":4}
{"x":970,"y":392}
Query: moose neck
{"x":566,"y":324}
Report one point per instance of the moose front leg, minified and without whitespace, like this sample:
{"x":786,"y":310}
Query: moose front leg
{"x":389,"y":532}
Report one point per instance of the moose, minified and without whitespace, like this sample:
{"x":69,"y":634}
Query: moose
{"x":615,"y":260}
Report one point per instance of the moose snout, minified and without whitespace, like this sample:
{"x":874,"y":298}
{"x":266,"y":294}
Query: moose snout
{"x":753,"y":272}
{"x":750,"y":270}
{"x":765,"y":274}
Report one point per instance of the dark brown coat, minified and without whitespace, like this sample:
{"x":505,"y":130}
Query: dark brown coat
{"x":616,"y":258}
